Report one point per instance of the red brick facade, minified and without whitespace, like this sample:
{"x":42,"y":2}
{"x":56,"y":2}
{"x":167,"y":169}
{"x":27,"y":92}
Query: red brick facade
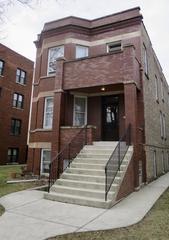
{"x":120,"y":73}
{"x":9,"y":86}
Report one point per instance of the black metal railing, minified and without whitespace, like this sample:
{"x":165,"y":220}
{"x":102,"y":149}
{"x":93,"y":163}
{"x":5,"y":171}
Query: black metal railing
{"x":113,"y":165}
{"x":63,"y":159}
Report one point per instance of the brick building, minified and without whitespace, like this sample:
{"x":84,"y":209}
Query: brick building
{"x":102,"y":73}
{"x":15,"y":92}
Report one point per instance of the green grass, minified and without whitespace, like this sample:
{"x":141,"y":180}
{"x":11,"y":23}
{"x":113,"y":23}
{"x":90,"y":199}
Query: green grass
{"x":5,"y":174}
{"x":155,"y":226}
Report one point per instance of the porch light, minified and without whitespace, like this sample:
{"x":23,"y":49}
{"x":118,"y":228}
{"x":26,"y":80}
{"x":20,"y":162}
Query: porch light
{"x":103,"y":89}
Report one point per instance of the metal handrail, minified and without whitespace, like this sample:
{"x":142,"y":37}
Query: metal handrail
{"x":114,"y":163}
{"x":69,"y":152}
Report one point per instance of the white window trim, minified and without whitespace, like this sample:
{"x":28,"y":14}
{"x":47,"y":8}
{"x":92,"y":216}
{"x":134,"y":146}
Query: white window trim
{"x":85,"y":97}
{"x":48,"y":73}
{"x":154,"y":164}
{"x":44,"y":114}
{"x":78,"y":45}
{"x":41,"y":164}
{"x":145,"y":60}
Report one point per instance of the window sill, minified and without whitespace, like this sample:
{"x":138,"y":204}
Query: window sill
{"x":22,"y":84}
{"x":18,"y":108}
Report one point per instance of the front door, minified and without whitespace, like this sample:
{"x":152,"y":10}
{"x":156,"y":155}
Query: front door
{"x":110,"y":118}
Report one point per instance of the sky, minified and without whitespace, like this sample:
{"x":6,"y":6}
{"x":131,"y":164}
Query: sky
{"x":22,"y":24}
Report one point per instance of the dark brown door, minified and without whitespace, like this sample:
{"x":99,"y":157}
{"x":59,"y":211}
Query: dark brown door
{"x":110,"y":118}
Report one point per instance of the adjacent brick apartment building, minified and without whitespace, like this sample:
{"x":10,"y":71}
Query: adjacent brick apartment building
{"x":15,"y":92}
{"x":103,"y":73}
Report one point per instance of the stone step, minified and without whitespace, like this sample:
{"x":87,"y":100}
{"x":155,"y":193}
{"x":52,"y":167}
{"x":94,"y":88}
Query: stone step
{"x":83,"y":184}
{"x":83,"y":177}
{"x":92,"y":147}
{"x":91,"y":160}
{"x":90,"y":171}
{"x":90,"y":155}
{"x":84,"y":201}
{"x":80,"y":192}
{"x":97,"y":151}
{"x":105,"y":143}
{"x":87,"y":165}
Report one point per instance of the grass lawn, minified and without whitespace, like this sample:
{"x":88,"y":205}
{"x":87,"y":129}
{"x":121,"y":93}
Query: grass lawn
{"x":155,"y":226}
{"x":5,"y":174}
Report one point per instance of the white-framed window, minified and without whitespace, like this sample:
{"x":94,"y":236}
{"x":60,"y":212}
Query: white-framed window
{"x":154,"y":164}
{"x":20,"y":76}
{"x":161,"y":125}
{"x":18,"y":100}
{"x":162,"y":90}
{"x":45,"y":160}
{"x":156,"y":88}
{"x":163,"y":163}
{"x":1,"y":67}
{"x":145,"y":59}
{"x":48,"y":113}
{"x":82,"y":51}
{"x":53,"y":54}
{"x":80,"y":111}
{"x":114,"y":46}
{"x":164,"y":127}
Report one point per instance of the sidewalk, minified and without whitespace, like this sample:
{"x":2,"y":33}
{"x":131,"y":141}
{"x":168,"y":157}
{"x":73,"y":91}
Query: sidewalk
{"x":30,"y":217}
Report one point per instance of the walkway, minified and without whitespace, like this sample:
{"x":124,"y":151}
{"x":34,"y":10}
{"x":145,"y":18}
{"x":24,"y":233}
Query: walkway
{"x":29,"y":216}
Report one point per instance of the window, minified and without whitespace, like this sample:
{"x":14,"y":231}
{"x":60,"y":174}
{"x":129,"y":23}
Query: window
{"x":13,"y":154}
{"x":16,"y":127}
{"x":162,"y":90}
{"x":163,"y":164}
{"x":154,"y":164}
{"x":1,"y":67}
{"x":45,"y":160}
{"x":18,"y":100}
{"x":53,"y":55}
{"x":48,"y":113}
{"x":82,"y":51}
{"x":80,"y":111}
{"x":114,"y":46}
{"x":164,"y":127}
{"x":161,"y":125}
{"x":145,"y":57}
{"x":156,"y":88}
{"x":20,"y":76}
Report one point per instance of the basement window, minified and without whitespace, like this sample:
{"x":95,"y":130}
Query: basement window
{"x":45,"y":160}
{"x":114,"y":47}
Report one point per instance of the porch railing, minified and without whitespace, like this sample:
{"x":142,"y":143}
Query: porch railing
{"x":66,"y":155}
{"x":113,"y":165}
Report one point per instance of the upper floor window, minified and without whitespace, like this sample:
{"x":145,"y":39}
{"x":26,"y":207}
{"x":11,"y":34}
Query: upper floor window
{"x":16,"y":127}
{"x":20,"y":76}
{"x":80,"y":111}
{"x":48,"y":113}
{"x":1,"y":67}
{"x":82,"y":51}
{"x":13,"y":155}
{"x":114,"y":46}
{"x":145,"y":59}
{"x":53,"y":54}
{"x":18,"y":100}
{"x":162,"y":90}
{"x":156,"y":88}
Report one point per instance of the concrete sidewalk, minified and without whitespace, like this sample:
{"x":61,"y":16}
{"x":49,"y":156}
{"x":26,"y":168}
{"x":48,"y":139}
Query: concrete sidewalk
{"x":30,"y":217}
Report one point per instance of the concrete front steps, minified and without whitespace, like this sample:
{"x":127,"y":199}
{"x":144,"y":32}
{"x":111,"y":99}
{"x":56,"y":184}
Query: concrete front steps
{"x":83,"y":182}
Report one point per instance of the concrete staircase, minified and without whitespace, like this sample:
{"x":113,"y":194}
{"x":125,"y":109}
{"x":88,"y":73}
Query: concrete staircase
{"x":84,"y":182}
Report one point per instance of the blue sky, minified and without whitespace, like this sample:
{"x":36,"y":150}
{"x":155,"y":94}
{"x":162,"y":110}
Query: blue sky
{"x":22,"y":24}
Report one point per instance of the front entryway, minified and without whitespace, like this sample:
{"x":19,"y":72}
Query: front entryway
{"x":110,"y":118}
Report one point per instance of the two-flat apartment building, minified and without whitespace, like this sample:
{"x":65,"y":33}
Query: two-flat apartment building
{"x":102,"y":73}
{"x":16,"y":74}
